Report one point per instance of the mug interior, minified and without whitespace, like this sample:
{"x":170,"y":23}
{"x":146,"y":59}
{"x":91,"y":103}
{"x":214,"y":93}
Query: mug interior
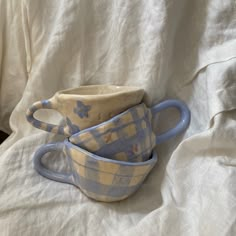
{"x":92,"y":158}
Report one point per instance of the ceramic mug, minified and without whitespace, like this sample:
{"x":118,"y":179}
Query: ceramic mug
{"x":85,"y":106}
{"x":129,"y":136}
{"x":99,"y":178}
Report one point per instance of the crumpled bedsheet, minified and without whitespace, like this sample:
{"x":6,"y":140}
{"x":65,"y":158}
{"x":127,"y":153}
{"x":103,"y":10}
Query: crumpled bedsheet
{"x":173,"y":49}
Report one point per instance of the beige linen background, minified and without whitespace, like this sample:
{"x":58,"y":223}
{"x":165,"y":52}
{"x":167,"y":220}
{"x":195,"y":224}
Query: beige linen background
{"x":173,"y":49}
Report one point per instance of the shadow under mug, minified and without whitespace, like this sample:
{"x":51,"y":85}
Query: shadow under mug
{"x":99,"y":178}
{"x":85,"y":106}
{"x":129,"y":136}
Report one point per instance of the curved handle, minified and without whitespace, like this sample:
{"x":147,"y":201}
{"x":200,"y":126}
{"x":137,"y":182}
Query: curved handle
{"x":50,"y":174}
{"x":181,"y":125}
{"x":45,"y":104}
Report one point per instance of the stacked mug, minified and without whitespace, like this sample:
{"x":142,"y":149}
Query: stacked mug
{"x":109,"y":138}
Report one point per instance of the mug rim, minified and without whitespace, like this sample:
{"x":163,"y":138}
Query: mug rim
{"x":150,"y":161}
{"x":110,"y":91}
{"x":110,"y":120}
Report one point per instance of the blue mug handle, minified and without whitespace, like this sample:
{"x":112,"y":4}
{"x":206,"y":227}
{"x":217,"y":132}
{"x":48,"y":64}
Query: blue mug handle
{"x":181,"y":125}
{"x":50,"y":174}
{"x":44,"y":104}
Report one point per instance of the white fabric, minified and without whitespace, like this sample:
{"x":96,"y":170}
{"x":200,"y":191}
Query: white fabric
{"x":173,"y":49}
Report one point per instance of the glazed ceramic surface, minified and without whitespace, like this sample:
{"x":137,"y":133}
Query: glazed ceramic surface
{"x":129,"y":136}
{"x":85,"y":106}
{"x":99,"y":178}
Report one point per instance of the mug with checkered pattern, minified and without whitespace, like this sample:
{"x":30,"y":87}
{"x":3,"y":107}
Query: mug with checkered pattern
{"x":85,"y":106}
{"x":129,"y":136}
{"x":99,"y":178}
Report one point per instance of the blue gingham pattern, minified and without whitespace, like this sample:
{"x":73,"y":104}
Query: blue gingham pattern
{"x":107,"y":180}
{"x":126,"y":137}
{"x":36,"y":123}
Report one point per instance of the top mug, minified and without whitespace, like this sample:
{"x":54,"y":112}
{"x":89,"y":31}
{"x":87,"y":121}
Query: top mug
{"x":85,"y":106}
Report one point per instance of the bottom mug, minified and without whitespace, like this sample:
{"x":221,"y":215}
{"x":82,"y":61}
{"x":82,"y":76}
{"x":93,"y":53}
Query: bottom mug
{"x":99,"y":178}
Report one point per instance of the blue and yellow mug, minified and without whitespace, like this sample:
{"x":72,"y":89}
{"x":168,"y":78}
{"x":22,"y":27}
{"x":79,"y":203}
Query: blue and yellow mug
{"x":85,"y":106}
{"x":99,"y":178}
